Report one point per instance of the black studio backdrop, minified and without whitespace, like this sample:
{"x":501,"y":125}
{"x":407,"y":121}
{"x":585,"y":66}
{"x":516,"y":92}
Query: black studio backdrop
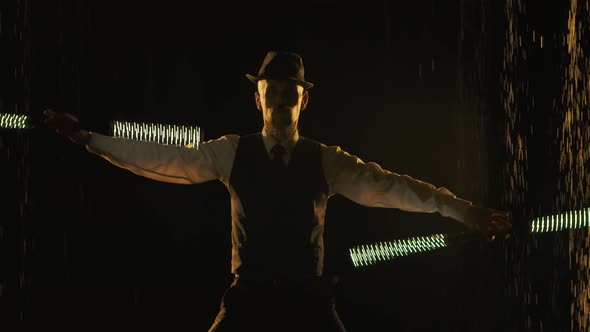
{"x":405,"y":86}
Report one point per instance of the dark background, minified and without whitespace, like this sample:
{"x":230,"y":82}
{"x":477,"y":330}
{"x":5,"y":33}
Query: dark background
{"x":414,"y":87}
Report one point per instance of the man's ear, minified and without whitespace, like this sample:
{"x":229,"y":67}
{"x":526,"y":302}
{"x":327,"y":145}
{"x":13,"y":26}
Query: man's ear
{"x":304,"y":100}
{"x":257,"y":97}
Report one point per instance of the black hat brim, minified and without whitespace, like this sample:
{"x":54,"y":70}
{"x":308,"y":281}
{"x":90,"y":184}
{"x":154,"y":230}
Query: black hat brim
{"x":304,"y":84}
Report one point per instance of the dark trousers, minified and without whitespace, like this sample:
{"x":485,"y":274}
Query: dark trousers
{"x":279,"y":305}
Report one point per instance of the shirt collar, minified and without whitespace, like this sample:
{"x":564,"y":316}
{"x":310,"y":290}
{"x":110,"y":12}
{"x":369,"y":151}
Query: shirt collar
{"x":270,"y":141}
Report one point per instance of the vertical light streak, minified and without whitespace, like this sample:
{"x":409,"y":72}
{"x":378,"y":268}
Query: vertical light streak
{"x":573,"y":138}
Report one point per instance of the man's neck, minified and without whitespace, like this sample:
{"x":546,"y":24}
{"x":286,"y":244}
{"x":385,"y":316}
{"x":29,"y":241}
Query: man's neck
{"x":281,"y":136}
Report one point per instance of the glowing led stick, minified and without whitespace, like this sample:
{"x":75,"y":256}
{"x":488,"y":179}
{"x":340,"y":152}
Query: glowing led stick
{"x":562,"y":221}
{"x":186,"y":136}
{"x":364,"y":255}
{"x":14,"y":121}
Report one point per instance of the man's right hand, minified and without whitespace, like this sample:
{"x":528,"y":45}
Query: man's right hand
{"x":66,"y":125}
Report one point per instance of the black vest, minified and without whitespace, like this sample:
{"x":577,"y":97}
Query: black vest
{"x":280,"y":232}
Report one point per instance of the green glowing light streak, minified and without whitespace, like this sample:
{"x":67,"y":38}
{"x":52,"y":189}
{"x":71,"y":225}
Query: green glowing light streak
{"x":13,"y":121}
{"x":186,"y":136}
{"x":369,"y":254}
{"x":568,"y":220}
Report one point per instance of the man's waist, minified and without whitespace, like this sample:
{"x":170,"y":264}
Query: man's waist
{"x":292,"y":281}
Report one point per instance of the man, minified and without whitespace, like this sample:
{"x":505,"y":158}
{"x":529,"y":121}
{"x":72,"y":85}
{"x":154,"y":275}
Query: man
{"x":279,"y":185}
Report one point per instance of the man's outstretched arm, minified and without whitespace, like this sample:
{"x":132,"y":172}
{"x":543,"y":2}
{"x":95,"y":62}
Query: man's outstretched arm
{"x":370,"y":185}
{"x":156,"y":161}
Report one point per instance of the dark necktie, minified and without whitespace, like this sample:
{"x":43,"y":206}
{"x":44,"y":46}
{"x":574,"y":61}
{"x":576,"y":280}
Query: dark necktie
{"x":277,"y":152}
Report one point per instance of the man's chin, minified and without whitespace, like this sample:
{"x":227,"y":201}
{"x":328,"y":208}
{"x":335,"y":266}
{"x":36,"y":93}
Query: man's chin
{"x":283,"y":124}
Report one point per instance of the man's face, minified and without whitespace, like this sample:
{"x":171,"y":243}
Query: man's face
{"x":280,"y":102}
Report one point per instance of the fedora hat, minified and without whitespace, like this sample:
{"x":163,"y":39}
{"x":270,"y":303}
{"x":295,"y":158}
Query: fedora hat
{"x":282,"y":66}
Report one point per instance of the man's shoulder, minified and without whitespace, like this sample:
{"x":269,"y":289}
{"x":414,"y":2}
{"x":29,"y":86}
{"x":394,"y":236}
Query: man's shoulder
{"x":328,"y":151}
{"x":322,"y":145}
{"x":249,"y":136}
{"x":220,"y":142}
{"x":234,"y":139}
{"x":230,"y":137}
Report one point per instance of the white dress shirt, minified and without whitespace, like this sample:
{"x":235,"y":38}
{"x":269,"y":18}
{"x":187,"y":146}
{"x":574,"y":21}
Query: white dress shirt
{"x":364,"y":183}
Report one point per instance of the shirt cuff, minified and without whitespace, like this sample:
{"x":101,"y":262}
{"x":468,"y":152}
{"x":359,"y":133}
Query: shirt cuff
{"x":455,"y":208}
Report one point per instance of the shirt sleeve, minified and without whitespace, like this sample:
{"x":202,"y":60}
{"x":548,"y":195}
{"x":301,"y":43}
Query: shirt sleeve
{"x":212,"y":160}
{"x":370,"y":185}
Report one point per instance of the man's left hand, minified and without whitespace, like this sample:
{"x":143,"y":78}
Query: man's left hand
{"x":490,"y":223}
